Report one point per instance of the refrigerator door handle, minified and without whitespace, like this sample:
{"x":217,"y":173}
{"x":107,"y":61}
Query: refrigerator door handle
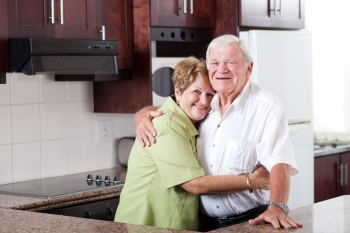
{"x":295,"y":128}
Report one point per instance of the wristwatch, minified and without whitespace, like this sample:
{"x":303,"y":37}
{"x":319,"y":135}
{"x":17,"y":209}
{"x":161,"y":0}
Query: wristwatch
{"x":282,"y":205}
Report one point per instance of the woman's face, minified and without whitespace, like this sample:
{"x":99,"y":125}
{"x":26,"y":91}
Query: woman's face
{"x":196,"y":99}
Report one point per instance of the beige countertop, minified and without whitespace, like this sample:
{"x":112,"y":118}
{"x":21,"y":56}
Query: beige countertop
{"x":328,"y":216}
{"x":39,"y":204}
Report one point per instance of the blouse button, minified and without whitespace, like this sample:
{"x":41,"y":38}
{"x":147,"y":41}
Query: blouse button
{"x":218,"y":125}
{"x":217,"y":207}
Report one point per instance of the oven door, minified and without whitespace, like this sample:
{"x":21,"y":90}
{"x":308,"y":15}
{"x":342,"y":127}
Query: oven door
{"x":101,"y":210}
{"x":162,"y":84}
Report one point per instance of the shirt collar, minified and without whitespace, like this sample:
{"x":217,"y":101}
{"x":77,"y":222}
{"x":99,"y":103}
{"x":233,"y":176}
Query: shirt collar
{"x":170,"y":105}
{"x":238,"y":103}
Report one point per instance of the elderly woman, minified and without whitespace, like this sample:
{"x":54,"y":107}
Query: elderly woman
{"x":163,"y":180}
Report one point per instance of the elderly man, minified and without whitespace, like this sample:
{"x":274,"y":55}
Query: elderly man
{"x":246,"y":127}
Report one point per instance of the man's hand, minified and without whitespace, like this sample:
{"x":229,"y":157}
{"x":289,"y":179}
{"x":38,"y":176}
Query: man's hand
{"x":277,"y":218}
{"x":145,"y":131}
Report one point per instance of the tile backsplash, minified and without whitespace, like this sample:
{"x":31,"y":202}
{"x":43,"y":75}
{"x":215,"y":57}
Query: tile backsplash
{"x":48,"y":129}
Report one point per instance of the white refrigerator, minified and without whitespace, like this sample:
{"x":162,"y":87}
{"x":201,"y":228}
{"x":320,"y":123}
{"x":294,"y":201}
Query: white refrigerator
{"x":283,"y":66}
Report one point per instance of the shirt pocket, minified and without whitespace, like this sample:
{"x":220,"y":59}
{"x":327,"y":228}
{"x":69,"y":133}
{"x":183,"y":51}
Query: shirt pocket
{"x":200,"y":148}
{"x":240,"y":157}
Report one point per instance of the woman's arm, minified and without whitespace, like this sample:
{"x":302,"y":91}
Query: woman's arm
{"x":228,"y":184}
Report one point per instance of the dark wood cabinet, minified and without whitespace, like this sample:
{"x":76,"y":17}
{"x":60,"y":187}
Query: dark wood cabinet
{"x":115,"y":17}
{"x":183,"y":13}
{"x":288,"y":14}
{"x":74,"y":19}
{"x":30,"y":18}
{"x":3,"y":41}
{"x":129,"y":96}
{"x":331,"y":176}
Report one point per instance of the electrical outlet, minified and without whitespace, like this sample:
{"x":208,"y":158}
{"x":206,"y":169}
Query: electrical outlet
{"x":104,"y":131}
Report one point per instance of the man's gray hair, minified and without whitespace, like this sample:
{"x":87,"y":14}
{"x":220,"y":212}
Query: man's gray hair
{"x":228,"y":39}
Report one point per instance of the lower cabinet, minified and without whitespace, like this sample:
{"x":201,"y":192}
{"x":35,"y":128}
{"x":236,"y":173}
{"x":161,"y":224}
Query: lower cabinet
{"x":331,"y":175}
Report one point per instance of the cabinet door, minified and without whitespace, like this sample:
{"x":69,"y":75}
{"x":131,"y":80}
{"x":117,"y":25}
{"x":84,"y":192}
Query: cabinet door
{"x":30,"y":18}
{"x":201,"y":14}
{"x":168,"y":13}
{"x":117,"y":18}
{"x":345,"y":160}
{"x":290,"y":14}
{"x":272,"y":13}
{"x":326,"y":177}
{"x":3,"y":41}
{"x":76,"y":19}
{"x":255,"y":13}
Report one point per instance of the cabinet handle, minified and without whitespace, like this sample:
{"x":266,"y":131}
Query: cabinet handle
{"x":280,"y":10}
{"x":273,"y":9}
{"x":346,"y":174}
{"x":185,"y":6}
{"x":341,"y":174}
{"x":52,"y":12}
{"x":103,"y":33}
{"x":191,"y":6}
{"x":61,"y":8}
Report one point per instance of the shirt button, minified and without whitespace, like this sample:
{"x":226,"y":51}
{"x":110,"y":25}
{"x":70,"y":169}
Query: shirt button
{"x":213,"y":145}
{"x":218,"y":125}
{"x":211,"y":166}
{"x":217,"y":207}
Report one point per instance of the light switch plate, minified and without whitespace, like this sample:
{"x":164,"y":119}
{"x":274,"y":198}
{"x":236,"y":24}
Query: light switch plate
{"x":104,"y":131}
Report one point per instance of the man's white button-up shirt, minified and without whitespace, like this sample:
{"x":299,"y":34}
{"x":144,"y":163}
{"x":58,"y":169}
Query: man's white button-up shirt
{"x":253,"y":130}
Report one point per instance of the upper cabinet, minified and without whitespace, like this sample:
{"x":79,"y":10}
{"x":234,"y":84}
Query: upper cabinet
{"x":287,"y":14}
{"x":115,"y":22}
{"x":183,"y":13}
{"x":73,"y":19}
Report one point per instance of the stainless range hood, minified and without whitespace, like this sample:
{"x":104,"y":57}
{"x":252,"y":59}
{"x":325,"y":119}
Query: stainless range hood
{"x":63,"y":56}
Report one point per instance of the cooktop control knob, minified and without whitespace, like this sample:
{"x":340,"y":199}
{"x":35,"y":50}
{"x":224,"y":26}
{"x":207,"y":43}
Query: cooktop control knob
{"x":107,"y":179}
{"x":90,"y":178}
{"x":98,"y":178}
{"x":116,"y":180}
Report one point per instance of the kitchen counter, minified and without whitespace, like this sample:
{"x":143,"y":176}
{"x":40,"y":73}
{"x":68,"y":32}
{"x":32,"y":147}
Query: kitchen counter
{"x":328,"y":150}
{"x":40,"y":204}
{"x":327,"y":216}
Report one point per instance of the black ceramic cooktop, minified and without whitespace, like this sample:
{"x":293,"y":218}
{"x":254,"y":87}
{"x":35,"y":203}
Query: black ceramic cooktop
{"x":62,"y":185}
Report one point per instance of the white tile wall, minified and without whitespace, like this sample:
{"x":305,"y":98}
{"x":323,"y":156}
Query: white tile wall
{"x":27,"y":163}
{"x":6,"y":164}
{"x":24,"y":88}
{"x":25,"y":123}
{"x":55,"y":156}
{"x":48,"y":129}
{"x":5,"y":93}
{"x":5,"y":125}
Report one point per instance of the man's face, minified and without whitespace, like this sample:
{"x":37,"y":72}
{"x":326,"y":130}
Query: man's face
{"x":227,"y":71}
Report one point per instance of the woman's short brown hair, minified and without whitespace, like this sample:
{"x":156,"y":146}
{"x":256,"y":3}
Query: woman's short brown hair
{"x":186,"y":72}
